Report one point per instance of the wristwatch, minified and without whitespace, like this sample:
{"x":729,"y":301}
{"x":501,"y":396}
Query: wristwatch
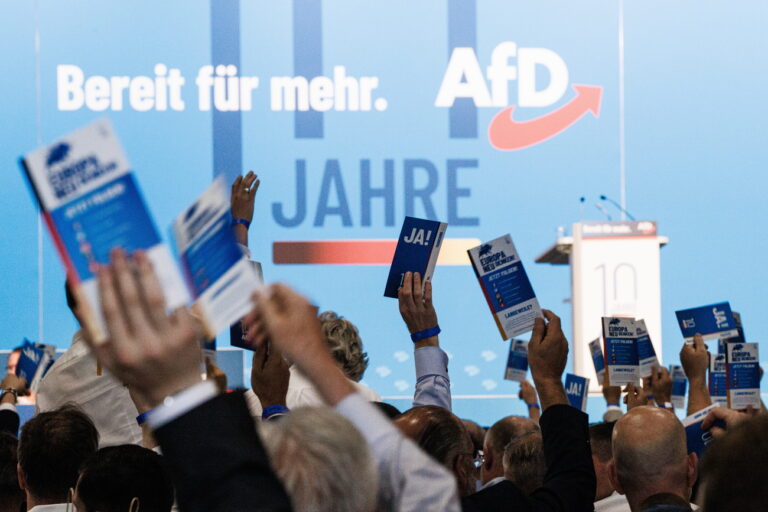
{"x":10,"y":390}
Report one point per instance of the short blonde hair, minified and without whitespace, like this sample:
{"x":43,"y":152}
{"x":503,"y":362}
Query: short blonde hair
{"x":344,"y":342}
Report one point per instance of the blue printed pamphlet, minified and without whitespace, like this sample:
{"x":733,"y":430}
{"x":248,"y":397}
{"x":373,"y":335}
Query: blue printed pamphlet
{"x":621,"y":356}
{"x":596,"y":349}
{"x":506,"y":286}
{"x":743,"y":374}
{"x":718,"y":383}
{"x":517,"y":362}
{"x":679,"y":386}
{"x":219,"y":275}
{"x":34,"y":362}
{"x":646,"y":354}
{"x":714,"y":321}
{"x":577,"y":389}
{"x":91,"y":203}
{"x":417,"y":249}
{"x":697,"y":439}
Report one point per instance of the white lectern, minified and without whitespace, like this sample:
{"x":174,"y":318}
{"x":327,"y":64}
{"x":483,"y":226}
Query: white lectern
{"x":615,"y":271}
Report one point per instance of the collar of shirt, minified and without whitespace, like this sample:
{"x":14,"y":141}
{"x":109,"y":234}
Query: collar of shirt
{"x":492,"y":482}
{"x":58,"y":507}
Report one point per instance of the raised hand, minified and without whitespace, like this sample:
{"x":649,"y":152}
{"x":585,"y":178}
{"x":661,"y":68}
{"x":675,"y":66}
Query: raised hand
{"x":269,"y":376}
{"x":547,"y":355}
{"x":416,"y":307}
{"x":695,"y":359}
{"x":661,"y":384}
{"x":155,"y":354}
{"x":243,"y":196}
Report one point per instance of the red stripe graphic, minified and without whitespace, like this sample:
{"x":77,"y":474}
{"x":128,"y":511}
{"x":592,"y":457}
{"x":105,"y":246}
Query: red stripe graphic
{"x":334,"y":252}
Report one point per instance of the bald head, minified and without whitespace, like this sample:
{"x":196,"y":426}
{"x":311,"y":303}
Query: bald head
{"x":650,"y":455}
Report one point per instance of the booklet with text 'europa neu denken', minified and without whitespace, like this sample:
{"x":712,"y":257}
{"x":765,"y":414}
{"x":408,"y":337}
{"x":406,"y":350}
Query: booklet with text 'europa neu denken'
{"x":506,"y":286}
{"x":621,"y":358}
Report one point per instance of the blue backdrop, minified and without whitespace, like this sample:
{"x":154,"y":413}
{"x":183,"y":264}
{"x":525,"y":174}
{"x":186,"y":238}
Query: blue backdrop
{"x":693,"y":151}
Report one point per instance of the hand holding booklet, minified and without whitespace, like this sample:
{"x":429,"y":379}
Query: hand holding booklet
{"x":91,"y":203}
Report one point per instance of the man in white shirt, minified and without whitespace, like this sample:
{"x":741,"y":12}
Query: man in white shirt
{"x":52,"y":447}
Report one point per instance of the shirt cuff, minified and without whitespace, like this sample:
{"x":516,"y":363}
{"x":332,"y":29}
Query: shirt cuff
{"x":430,"y":361}
{"x":8,"y":407}
{"x":364,"y":416}
{"x":245,"y":250}
{"x":613,"y":408}
{"x":181,"y":403}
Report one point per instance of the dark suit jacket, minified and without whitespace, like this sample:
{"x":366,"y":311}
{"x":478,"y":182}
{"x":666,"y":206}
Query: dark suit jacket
{"x":217,"y":461}
{"x":569,"y":484}
{"x":9,"y":422}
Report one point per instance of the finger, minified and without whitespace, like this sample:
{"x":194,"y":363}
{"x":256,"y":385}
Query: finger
{"x":154,"y":299}
{"x":259,"y":358}
{"x":405,"y":293}
{"x":248,"y":181}
{"x":664,"y":373}
{"x":111,"y":308}
{"x":553,"y":321}
{"x":539,"y":331}
{"x":127,"y":291}
{"x":417,"y":290}
{"x":698,"y":343}
{"x":237,"y":185}
{"x":428,"y":293}
{"x":718,"y":413}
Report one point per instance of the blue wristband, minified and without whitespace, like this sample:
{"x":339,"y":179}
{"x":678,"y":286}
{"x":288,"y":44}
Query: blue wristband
{"x":271,"y":410}
{"x":534,"y":404}
{"x":426,"y":333}
{"x":244,"y":222}
{"x":142,"y":418}
{"x":613,"y":405}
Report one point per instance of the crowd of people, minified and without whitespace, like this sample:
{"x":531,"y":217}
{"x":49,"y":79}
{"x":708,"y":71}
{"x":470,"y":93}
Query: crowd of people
{"x":151,"y":433}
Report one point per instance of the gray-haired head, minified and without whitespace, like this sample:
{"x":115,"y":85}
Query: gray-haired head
{"x":524,"y":463}
{"x":323,"y":461}
{"x":345,"y":344}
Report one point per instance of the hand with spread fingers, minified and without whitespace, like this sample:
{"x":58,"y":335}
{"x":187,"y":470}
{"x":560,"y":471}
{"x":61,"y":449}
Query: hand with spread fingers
{"x":244,"y":190}
{"x":155,"y":354}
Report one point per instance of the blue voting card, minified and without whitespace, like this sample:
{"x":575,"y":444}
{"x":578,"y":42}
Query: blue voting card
{"x":714,"y":321}
{"x":621,"y":356}
{"x":596,"y":349}
{"x":679,"y":386}
{"x":717,"y":382}
{"x":743,"y":375}
{"x":646,"y":354}
{"x":505,"y":285}
{"x":517,"y":362}
{"x":417,"y":249}
{"x":577,"y":389}
{"x":34,"y":362}
{"x":697,"y":439}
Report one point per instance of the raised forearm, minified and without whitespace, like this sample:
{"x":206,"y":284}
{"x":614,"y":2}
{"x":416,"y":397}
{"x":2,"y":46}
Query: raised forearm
{"x":698,"y":395}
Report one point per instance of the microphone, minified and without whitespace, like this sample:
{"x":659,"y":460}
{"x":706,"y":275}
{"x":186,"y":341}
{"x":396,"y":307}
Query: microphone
{"x":602,"y":209}
{"x":617,"y":205}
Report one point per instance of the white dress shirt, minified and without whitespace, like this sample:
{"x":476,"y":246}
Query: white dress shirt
{"x":614,"y":503}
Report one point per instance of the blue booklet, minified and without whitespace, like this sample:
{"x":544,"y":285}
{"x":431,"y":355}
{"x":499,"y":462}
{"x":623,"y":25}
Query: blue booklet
{"x":739,"y":338}
{"x":621,"y":356}
{"x":506,"y":286}
{"x":714,"y":321}
{"x":679,"y":386}
{"x":517,"y":362}
{"x":577,"y":389}
{"x":34,"y":362}
{"x":219,"y":275}
{"x":646,"y":354}
{"x":743,"y":374}
{"x":717,"y":382}
{"x":696,"y":438}
{"x":91,"y":203}
{"x":417,"y":249}
{"x":596,"y":349}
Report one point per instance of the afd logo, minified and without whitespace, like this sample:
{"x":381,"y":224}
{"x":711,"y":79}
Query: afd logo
{"x":614,"y":321}
{"x":464,"y":78}
{"x":58,"y":153}
{"x":485,"y":249}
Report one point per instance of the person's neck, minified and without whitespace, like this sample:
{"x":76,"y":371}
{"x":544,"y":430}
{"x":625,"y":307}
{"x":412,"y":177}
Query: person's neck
{"x":34,"y":501}
{"x":658,"y":497}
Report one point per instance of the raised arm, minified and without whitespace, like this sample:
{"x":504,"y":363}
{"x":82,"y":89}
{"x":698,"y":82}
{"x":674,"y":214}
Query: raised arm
{"x":244,"y":190}
{"x":528,"y":395}
{"x":433,"y":386}
{"x":695,"y":360}
{"x":208,"y":439}
{"x":569,"y":483}
{"x":411,"y":480}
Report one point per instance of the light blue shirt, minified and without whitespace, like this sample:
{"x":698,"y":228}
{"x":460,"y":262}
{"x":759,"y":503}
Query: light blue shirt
{"x":411,"y":481}
{"x":433,"y":386}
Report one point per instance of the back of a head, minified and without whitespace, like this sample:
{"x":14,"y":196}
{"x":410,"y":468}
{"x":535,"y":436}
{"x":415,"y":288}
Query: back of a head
{"x":524,"y":462}
{"x":116,"y":476}
{"x":505,"y":430}
{"x":52,"y":448}
{"x":344,"y":342}
{"x":476,"y":434}
{"x":437,"y":431}
{"x":323,"y":461}
{"x":11,"y":495}
{"x":649,"y":451}
{"x":600,"y":436}
{"x":734,"y":470}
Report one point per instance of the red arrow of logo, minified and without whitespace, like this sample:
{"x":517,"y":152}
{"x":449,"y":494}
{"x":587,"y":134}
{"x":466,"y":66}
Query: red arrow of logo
{"x":507,"y":134}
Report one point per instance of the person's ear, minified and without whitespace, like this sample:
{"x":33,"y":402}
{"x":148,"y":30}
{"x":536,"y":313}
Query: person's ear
{"x":693,"y":465}
{"x":613,"y":477}
{"x":21,"y":477}
{"x":488,"y":460}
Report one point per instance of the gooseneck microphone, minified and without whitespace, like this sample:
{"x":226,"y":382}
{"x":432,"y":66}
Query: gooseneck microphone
{"x":617,"y":205}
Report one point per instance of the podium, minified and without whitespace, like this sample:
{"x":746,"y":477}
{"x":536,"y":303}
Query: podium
{"x":615,"y":271}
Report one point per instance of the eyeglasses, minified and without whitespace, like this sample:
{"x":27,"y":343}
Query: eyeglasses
{"x":479,"y":459}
